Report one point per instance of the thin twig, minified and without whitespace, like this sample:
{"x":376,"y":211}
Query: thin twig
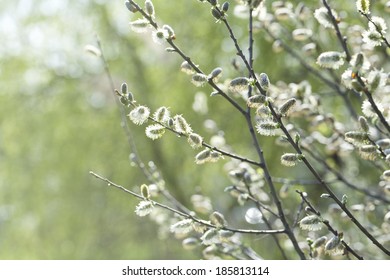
{"x":313,"y":71}
{"x":368,"y":17}
{"x":124,"y":123}
{"x":190,"y":62}
{"x":256,"y":144}
{"x":328,"y":225}
{"x":342,"y":40}
{"x":184,"y":214}
{"x":296,"y":147}
{"x":129,"y":136}
{"x":342,"y":179}
{"x":373,"y":104}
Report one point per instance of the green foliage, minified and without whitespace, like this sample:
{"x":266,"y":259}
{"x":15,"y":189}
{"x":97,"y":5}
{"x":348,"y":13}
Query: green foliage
{"x":59,"y":120}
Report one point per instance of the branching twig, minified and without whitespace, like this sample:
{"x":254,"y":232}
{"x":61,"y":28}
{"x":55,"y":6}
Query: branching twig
{"x":183,"y":214}
{"x":342,"y":179}
{"x":313,"y":71}
{"x":328,"y":225}
{"x":342,"y":40}
{"x":368,"y":17}
{"x":190,"y":62}
{"x":255,"y":142}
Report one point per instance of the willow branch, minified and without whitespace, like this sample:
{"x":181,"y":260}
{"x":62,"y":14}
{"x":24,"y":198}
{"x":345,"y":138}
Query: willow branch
{"x":328,"y":225}
{"x":184,"y":214}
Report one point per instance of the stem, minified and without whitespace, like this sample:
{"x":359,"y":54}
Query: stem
{"x":124,"y":123}
{"x":188,"y":59}
{"x":341,"y":178}
{"x":326,"y":187}
{"x":328,"y":225}
{"x":313,"y":71}
{"x":373,"y":104}
{"x":342,"y":40}
{"x":377,"y":29}
{"x":183,"y":214}
{"x":255,"y":142}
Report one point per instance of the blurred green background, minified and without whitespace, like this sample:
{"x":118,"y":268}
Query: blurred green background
{"x":59,"y":120}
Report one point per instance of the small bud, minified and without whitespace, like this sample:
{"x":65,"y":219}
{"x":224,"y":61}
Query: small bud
{"x":181,"y":125}
{"x":239,"y":84}
{"x":159,"y":36}
{"x":190,"y":243}
{"x":325,"y":195}
{"x":297,"y":138}
{"x":263,"y":112}
{"x":195,"y":140}
{"x":162,"y":115}
{"x":124,"y":88}
{"x":264,"y":81}
{"x":199,"y":79}
{"x":356,"y":137}
{"x":213,"y":2}
{"x":302,"y":34}
{"x":309,"y":209}
{"x":215,"y":74}
{"x":145,"y":191}
{"x":216,"y":14}
{"x":383,"y":143}
{"x":267,"y":127}
{"x":225,"y":7}
{"x":376,"y":79}
{"x":333,"y":246}
{"x":124,"y":100}
{"x":283,"y":13}
{"x":254,"y":216}
{"x":210,"y":237}
{"x":171,"y":122}
{"x":144,"y":208}
{"x":187,"y":68}
{"x":210,"y":252}
{"x":290,"y":159}
{"x":357,"y":62}
{"x":255,"y":101}
{"x":319,"y":242}
{"x":154,"y":131}
{"x":323,"y":17}
{"x":198,"y":227}
{"x":139,"y":115}
{"x":344,"y":199}
{"x":311,"y":223}
{"x":149,"y":8}
{"x":356,"y":85}
{"x":139,"y":25}
{"x":309,"y":48}
{"x":363,"y":124}
{"x":218,"y":219}
{"x":170,"y":50}
{"x":286,"y":107}
{"x":368,"y":152}
{"x":215,"y":156}
{"x":170,"y":32}
{"x":378,"y":24}
{"x":225,"y":235}
{"x":363,"y":6}
{"x":203,"y":156}
{"x":332,"y":60}
{"x":131,"y":7}
{"x":182,"y":227}
{"x":277,"y":46}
